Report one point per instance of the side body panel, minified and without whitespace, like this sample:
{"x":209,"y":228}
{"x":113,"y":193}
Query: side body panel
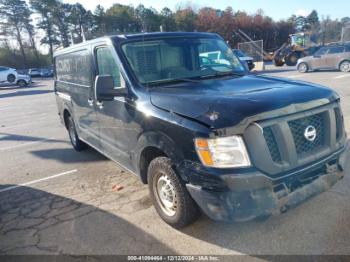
{"x":74,"y":81}
{"x":113,"y":116}
{"x":334,"y":56}
{"x":318,"y":62}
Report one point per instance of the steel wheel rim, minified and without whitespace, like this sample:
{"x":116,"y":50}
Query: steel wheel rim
{"x":11,"y":78}
{"x":302,"y":68}
{"x":71,"y":131}
{"x":345,"y":66}
{"x":166,"y":194}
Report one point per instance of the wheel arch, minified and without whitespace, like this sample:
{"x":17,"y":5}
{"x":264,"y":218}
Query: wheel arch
{"x":19,"y":80}
{"x":304,"y":62}
{"x":152,"y":145}
{"x":343,"y":60}
{"x":66,"y":114}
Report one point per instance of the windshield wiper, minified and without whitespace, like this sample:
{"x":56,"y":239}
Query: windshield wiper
{"x":164,"y":81}
{"x":195,"y":79}
{"x":219,"y":74}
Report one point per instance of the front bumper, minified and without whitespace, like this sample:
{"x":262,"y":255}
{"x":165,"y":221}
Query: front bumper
{"x":28,"y":80}
{"x":251,"y":195}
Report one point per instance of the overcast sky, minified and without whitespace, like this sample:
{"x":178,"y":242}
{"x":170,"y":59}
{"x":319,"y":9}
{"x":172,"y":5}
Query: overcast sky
{"x":277,"y":9}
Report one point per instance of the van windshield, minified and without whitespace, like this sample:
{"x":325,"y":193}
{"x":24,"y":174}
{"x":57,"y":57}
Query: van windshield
{"x":179,"y":59}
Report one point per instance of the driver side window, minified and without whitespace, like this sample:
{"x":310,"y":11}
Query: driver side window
{"x":322,"y":51}
{"x":336,"y":50}
{"x":107,"y":65}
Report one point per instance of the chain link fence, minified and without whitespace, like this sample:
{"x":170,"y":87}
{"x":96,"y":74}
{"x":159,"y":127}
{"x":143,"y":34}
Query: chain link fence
{"x":253,"y":49}
{"x":345,"y":34}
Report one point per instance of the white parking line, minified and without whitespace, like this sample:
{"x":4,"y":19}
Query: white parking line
{"x":341,"y":76}
{"x":38,"y":180}
{"x":295,"y":76}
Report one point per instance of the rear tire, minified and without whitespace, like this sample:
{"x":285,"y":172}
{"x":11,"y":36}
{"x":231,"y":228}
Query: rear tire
{"x":303,"y":67}
{"x":11,"y":78}
{"x":22,"y":83}
{"x":170,"y":197}
{"x":77,"y":144}
{"x":345,"y":66}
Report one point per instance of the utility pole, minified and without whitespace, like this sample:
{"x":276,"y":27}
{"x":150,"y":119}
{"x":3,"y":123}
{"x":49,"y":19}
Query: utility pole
{"x":83,"y":34}
{"x":71,"y":37}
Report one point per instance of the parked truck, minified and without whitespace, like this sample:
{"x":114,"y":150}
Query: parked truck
{"x":202,"y":132}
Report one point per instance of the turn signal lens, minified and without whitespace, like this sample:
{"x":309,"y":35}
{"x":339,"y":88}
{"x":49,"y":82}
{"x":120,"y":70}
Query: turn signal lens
{"x":203,"y":152}
{"x":201,"y":143}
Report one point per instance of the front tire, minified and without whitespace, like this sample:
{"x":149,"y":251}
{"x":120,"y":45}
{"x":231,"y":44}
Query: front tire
{"x":345,"y":66}
{"x":170,"y":197}
{"x":77,"y":144}
{"x":22,"y":83}
{"x":303,"y":67}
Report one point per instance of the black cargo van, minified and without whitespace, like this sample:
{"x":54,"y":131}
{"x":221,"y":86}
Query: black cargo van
{"x":180,"y":111}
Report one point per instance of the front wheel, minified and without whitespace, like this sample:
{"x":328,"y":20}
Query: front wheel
{"x":170,"y":197}
{"x":345,"y":66}
{"x":22,"y":83}
{"x":77,"y":144}
{"x":303,"y":68}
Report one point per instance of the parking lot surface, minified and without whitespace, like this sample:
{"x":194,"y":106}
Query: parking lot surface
{"x":54,"y":200}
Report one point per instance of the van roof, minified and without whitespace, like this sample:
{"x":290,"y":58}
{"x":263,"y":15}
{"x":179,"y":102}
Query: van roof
{"x":135,"y":36}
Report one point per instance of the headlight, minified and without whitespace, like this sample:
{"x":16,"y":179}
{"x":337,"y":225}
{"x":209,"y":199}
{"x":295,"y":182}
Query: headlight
{"x":222,"y":152}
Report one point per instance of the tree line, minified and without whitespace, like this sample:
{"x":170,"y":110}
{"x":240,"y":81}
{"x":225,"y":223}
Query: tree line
{"x":61,"y":24}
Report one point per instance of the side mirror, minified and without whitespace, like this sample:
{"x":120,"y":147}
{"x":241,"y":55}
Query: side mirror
{"x":104,"y":88}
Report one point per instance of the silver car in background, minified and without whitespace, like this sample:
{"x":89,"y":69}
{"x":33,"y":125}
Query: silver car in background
{"x":328,"y":57}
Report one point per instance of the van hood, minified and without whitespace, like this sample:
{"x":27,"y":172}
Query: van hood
{"x":229,"y":102}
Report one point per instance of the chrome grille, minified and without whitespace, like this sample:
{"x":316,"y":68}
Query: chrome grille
{"x":278,"y":145}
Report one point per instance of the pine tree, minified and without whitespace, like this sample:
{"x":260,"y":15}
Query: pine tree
{"x":15,"y":13}
{"x":46,"y":23}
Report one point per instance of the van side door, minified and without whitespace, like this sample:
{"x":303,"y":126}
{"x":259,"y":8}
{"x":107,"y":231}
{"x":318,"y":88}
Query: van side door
{"x":112,"y":115}
{"x":319,"y":61}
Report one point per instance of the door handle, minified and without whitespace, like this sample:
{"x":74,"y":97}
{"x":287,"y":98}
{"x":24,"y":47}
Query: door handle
{"x":100,"y":105}
{"x":90,"y":102}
